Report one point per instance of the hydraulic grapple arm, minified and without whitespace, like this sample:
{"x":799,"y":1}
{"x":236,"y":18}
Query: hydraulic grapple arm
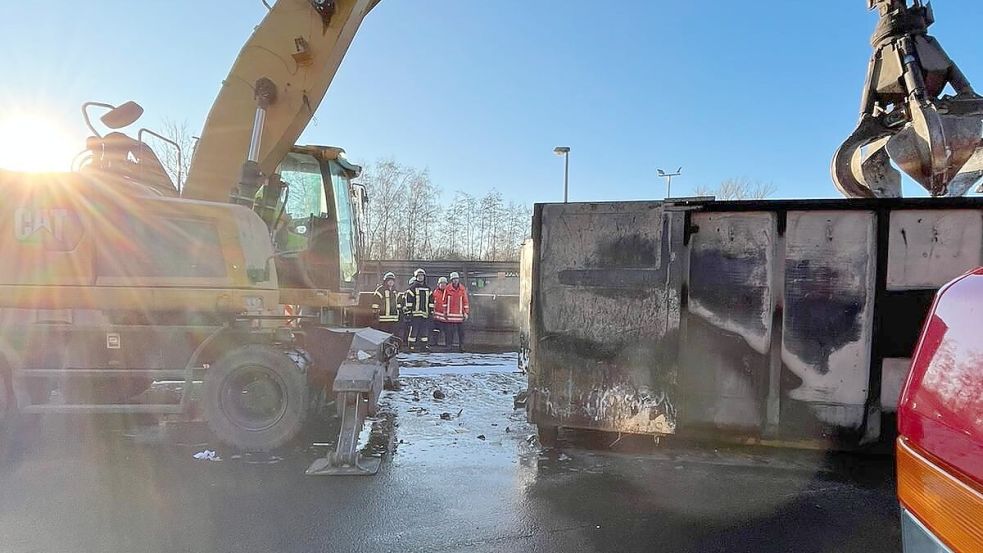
{"x":934,"y":139}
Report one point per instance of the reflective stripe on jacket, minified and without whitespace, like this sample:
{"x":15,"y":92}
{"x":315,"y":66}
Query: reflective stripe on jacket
{"x":439,"y":305}
{"x":419,"y":301}
{"x":456,"y":300}
{"x":386,"y":303}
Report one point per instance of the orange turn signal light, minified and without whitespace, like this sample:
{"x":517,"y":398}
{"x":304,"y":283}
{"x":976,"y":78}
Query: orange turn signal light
{"x":946,"y":504}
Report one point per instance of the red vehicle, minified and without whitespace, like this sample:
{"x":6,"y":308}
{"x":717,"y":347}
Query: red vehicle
{"x":940,"y":419}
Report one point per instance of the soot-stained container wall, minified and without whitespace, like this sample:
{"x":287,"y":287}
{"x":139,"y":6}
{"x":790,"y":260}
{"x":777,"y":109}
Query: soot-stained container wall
{"x":606,"y":302}
{"x":728,"y":320}
{"x":772,"y":321}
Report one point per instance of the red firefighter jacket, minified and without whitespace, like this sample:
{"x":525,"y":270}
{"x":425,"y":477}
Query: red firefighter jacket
{"x":456,"y":300}
{"x":439,"y":305}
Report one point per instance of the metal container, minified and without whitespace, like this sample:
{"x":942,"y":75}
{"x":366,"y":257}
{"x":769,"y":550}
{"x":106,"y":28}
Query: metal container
{"x":764,"y":321}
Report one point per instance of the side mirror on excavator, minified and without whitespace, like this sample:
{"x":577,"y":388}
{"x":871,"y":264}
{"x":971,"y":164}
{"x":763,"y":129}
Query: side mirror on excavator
{"x":123,"y":115}
{"x":116,"y":118}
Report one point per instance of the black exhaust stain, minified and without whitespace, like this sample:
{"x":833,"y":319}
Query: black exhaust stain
{"x":823,"y":314}
{"x":723,"y":283}
{"x":624,"y":267}
{"x":634,"y":282}
{"x":632,"y":250}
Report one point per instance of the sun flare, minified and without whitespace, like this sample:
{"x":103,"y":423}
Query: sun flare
{"x":31,"y":141}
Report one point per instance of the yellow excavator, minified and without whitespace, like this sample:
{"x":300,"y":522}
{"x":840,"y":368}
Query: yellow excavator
{"x":117,"y":278}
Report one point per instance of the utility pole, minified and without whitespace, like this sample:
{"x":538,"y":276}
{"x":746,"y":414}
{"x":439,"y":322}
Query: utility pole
{"x":668,"y":177}
{"x":565,"y":152}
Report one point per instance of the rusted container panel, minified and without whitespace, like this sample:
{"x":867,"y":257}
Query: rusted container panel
{"x":606,"y":316}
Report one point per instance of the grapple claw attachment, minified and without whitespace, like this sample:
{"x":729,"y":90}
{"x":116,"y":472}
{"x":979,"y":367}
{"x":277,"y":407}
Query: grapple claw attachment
{"x":934,"y":140}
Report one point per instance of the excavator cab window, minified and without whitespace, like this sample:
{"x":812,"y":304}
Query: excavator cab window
{"x":305,"y":185}
{"x":316,"y":237}
{"x":341,"y":187}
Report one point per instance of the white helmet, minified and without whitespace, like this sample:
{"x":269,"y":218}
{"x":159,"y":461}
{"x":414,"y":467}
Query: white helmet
{"x":419,"y":272}
{"x":455,"y":275}
{"x":442,"y":280}
{"x":389,"y":276}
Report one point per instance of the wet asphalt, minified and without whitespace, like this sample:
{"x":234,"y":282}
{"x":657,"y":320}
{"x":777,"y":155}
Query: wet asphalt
{"x":474,"y":480}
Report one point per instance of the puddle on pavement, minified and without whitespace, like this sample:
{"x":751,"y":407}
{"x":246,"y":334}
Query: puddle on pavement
{"x":454,"y":409}
{"x":455,"y":406}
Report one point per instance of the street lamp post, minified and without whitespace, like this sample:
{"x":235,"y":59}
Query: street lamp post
{"x":565,"y":152}
{"x":668,"y":177}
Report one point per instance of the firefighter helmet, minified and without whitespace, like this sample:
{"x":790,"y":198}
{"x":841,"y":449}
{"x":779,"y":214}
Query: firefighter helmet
{"x":442,"y":280}
{"x":455,"y":275}
{"x":389,"y":276}
{"x":419,"y":272}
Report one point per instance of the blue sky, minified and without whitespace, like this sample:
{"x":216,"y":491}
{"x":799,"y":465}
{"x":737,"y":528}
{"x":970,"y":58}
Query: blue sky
{"x":480,"y":92}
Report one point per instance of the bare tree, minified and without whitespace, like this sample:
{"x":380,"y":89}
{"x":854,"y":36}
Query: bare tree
{"x":180,"y":133}
{"x":408,"y":217}
{"x":738,"y":188}
{"x":403,"y":211}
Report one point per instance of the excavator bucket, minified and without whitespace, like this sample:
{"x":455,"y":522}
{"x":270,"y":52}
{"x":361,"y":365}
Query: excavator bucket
{"x":369,"y":367}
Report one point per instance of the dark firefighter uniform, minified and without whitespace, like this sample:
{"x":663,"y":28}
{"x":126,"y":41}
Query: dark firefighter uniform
{"x":387,"y":305}
{"x":419,"y":307}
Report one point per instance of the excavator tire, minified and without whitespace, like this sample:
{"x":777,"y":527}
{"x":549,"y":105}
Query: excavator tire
{"x":256,"y":397}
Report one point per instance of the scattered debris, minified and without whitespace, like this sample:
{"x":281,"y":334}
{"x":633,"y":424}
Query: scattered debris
{"x":417,"y":410}
{"x":416,"y":395}
{"x":362,"y":355}
{"x":481,"y":436}
{"x":261,"y":459}
{"x":459,"y":411}
{"x":207,"y":455}
{"x":507,"y":430}
{"x":439,"y":394}
{"x":520,"y":399}
{"x":563,"y":457}
{"x":494,"y":424}
{"x":445,"y":416}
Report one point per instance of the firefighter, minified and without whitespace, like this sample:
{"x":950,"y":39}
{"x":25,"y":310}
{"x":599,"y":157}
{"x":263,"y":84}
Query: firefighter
{"x":456,"y":311}
{"x":439,"y":310}
{"x":419,"y":307}
{"x":386,"y":304}
{"x":404,"y":318}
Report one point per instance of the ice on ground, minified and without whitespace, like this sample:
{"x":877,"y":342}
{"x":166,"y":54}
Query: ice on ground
{"x":431,"y":364}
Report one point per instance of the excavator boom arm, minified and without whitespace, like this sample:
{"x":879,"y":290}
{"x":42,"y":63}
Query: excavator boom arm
{"x":298,"y":47}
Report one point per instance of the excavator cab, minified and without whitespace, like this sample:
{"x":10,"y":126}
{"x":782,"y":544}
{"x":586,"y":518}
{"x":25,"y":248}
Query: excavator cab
{"x":317,"y":233}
